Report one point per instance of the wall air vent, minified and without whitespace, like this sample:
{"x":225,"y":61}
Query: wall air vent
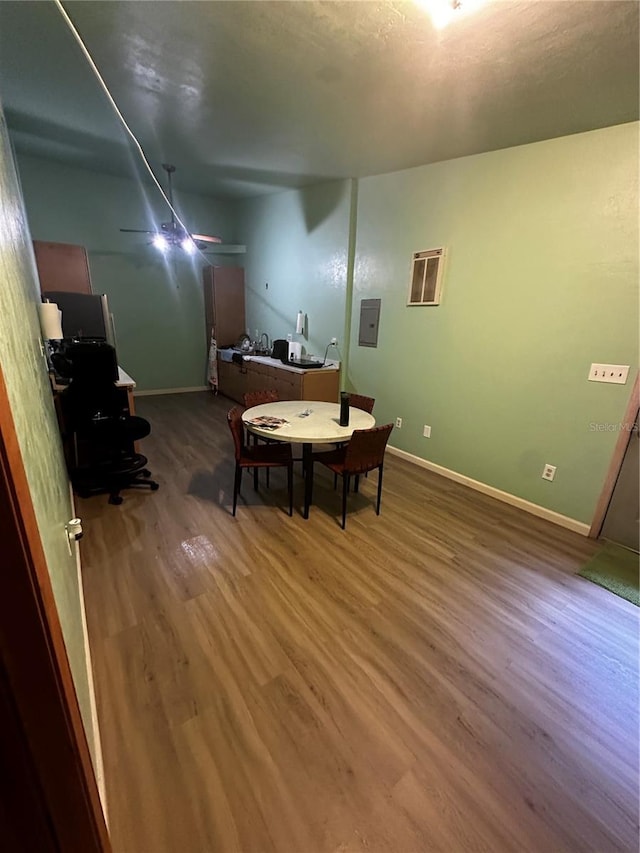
{"x":426,"y":277}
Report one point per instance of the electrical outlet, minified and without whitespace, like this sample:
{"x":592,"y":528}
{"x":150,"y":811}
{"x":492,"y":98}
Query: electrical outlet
{"x":334,"y":342}
{"x":426,"y":431}
{"x":616,"y":373}
{"x":398,"y":423}
{"x":290,"y":338}
{"x":548,"y":472}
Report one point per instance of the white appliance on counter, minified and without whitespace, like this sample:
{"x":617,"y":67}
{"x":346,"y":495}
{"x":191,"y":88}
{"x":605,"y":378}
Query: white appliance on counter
{"x":295,"y":351}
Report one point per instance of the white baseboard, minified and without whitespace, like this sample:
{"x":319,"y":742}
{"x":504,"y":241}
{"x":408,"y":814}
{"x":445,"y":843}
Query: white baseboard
{"x":97,"y":743}
{"x":505,"y":497}
{"x":157,"y":391}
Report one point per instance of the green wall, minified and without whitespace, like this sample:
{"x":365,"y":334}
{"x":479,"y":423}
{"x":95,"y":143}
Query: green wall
{"x":297,"y":243}
{"x":157,"y":302}
{"x":31,"y":401}
{"x":541,"y":279}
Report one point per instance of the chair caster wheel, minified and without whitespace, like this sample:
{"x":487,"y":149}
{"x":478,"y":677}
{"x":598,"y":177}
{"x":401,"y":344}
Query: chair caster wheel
{"x":115,"y":499}
{"x":154,"y":487}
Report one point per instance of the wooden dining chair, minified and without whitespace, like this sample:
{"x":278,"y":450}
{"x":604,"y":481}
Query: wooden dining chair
{"x":359,"y":401}
{"x":366,"y":404}
{"x":257,"y":398}
{"x":274,"y":455}
{"x":364,"y":452}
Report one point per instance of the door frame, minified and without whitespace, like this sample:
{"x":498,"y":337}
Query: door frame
{"x":63,"y":802}
{"x":615,"y":465}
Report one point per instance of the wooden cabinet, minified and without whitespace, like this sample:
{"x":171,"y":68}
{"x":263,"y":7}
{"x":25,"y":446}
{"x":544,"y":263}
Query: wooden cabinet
{"x":62,"y":267}
{"x":234,"y":380}
{"x":224,"y":304}
{"x":231,"y":380}
{"x":321,"y":385}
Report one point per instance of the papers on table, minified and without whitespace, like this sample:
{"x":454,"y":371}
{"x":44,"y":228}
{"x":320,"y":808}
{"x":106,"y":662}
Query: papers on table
{"x":267,"y":422}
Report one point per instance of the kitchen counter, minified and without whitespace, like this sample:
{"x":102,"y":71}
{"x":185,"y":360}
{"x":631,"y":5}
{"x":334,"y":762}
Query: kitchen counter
{"x":263,"y":373}
{"x":275,"y":362}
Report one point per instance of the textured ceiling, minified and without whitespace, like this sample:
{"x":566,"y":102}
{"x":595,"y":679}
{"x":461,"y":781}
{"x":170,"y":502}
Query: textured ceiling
{"x":250,"y":97}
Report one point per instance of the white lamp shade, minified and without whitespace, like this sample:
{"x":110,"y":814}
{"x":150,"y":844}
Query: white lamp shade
{"x":51,"y":321}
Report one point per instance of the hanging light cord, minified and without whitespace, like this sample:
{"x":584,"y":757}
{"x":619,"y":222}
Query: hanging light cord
{"x":116,"y":109}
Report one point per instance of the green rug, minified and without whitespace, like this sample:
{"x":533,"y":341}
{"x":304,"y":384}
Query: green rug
{"x":616,"y":569}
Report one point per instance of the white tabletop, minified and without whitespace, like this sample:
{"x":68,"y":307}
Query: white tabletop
{"x":321,"y":426}
{"x":124,"y":380}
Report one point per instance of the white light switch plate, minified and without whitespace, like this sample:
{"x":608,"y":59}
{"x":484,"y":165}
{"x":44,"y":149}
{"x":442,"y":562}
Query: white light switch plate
{"x":616,"y":373}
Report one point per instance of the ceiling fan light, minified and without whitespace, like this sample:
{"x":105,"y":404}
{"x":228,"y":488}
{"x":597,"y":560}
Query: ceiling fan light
{"x":443,"y":12}
{"x":160,"y":242}
{"x":188,"y":245}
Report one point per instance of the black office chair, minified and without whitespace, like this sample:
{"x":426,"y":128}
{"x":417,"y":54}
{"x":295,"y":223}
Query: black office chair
{"x":103,"y":459}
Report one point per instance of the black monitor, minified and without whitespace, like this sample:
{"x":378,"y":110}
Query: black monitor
{"x":84,"y":315}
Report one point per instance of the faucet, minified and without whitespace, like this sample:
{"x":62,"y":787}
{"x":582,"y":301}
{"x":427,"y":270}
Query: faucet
{"x":265,"y":346}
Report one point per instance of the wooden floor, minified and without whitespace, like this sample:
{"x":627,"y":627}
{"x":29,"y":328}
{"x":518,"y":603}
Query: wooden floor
{"x":433,"y":679}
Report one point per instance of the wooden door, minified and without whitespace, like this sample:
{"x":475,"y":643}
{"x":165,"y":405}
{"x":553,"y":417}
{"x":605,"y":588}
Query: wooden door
{"x":622,"y":521}
{"x":49,"y":794}
{"x":626,"y":436}
{"x":224,"y":303}
{"x":62,"y":266}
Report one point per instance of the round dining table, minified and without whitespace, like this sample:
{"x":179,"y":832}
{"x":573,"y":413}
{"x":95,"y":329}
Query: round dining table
{"x":306,"y":422}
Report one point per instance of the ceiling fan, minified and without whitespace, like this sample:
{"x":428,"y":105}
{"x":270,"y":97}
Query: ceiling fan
{"x":172,"y":235}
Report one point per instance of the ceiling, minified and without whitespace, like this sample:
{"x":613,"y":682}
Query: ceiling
{"x":257,"y":96}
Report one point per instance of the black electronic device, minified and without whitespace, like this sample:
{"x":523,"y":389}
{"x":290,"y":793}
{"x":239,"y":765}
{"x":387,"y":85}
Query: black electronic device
{"x":280,"y":350}
{"x":303,"y":363}
{"x":84,"y":315}
{"x":344,"y":408}
{"x":86,"y":360}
